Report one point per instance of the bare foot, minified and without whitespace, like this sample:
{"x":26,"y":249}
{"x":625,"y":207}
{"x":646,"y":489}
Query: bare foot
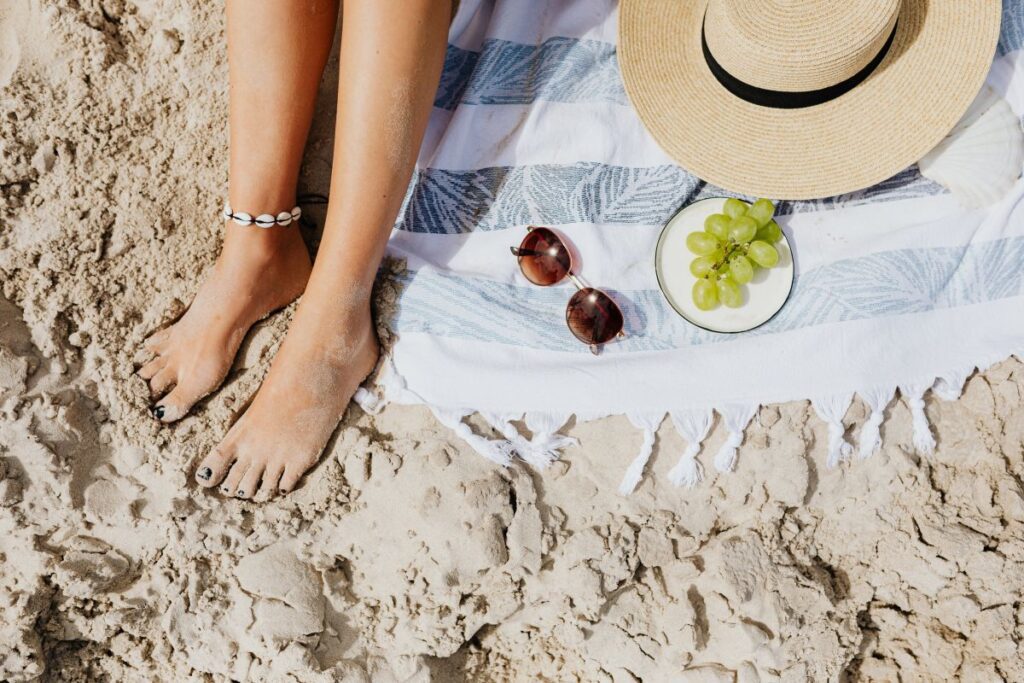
{"x":259,"y":271}
{"x":281,"y":435}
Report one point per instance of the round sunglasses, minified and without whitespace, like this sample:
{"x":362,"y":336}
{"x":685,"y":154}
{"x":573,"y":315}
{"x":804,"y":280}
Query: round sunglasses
{"x":591,"y":315}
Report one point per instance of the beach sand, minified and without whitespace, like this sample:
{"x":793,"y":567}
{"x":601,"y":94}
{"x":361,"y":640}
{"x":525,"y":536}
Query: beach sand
{"x":407,"y":557}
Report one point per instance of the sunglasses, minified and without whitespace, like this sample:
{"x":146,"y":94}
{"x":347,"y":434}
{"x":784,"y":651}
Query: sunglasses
{"x":591,"y":315}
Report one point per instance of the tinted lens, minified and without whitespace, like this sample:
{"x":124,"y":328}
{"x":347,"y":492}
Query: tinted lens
{"x":593,"y":317}
{"x":543,"y":257}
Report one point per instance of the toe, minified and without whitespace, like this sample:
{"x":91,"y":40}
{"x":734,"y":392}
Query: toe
{"x":157,"y":342}
{"x":214,"y":468}
{"x":271,"y":477}
{"x":250,"y":482}
{"x":149,"y":370}
{"x":187,"y":392}
{"x":162,"y":381}
{"x":234,"y":478}
{"x":290,"y":478}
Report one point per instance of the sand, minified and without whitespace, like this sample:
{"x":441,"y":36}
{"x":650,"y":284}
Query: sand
{"x":406,"y":557}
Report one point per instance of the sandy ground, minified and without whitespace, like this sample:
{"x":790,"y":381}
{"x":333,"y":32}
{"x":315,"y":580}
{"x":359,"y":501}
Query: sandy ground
{"x":406,"y":556}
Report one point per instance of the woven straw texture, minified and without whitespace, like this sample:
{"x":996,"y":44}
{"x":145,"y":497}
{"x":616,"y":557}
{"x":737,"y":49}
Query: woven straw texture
{"x":940,"y":55}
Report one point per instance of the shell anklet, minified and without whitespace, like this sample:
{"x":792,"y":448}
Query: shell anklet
{"x":264,"y":220}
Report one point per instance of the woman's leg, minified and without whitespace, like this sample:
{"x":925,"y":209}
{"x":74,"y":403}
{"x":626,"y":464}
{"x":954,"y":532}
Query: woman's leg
{"x":277,"y":50}
{"x":392,"y":52}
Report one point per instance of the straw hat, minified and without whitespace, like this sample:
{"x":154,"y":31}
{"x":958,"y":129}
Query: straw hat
{"x":800,"y":99}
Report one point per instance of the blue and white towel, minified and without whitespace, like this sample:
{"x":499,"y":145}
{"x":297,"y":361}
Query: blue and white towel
{"x":898,"y":287}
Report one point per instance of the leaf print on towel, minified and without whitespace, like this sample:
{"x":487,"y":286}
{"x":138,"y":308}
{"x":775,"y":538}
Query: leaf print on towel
{"x":453,"y":202}
{"x":449,"y":202}
{"x":458,"y":69}
{"x":879,"y":285}
{"x":558,"y":70}
{"x":616,"y":193}
{"x":907,"y":184}
{"x":1011,"y":35}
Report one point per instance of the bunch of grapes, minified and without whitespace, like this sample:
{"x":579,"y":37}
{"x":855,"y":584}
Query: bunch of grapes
{"x":731,"y":247}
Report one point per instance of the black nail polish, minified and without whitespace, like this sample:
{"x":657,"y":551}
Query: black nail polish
{"x":204,"y":474}
{"x":158,"y":412}
{"x":225,"y":490}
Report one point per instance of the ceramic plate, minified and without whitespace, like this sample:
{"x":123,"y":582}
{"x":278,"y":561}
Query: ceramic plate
{"x":764,"y":296}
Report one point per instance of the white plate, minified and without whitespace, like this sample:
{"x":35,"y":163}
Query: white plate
{"x":764,"y":296}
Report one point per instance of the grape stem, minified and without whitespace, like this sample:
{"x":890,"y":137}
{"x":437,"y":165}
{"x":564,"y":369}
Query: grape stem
{"x":734,"y":246}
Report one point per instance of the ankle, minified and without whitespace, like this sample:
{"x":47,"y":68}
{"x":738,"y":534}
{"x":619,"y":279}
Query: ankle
{"x":258,"y":196}
{"x":264,"y":244}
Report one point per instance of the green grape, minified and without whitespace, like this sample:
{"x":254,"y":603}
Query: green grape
{"x":702,"y":265}
{"x":734,"y":208}
{"x":763,"y":254}
{"x":729,"y":293}
{"x":740,"y":269}
{"x":717,"y":224}
{"x":701,"y":243}
{"x":770,"y":233}
{"x":742,"y":229}
{"x":705,"y":294}
{"x":762,"y":212}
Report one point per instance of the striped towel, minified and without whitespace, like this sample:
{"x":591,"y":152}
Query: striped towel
{"x":898,"y":288}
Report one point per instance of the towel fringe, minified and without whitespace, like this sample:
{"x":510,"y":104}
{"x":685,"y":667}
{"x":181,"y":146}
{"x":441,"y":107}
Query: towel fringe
{"x":736,"y":418}
{"x":635,"y":472}
{"x":950,"y":385}
{"x":498,"y":451}
{"x":386,"y":386}
{"x":877,"y":400}
{"x":688,"y":471}
{"x":546,"y":445}
{"x":832,"y":410}
{"x":693,"y":426}
{"x":924,"y":440}
{"x":371,"y":403}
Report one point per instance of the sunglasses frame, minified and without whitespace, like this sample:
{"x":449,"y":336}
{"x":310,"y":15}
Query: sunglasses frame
{"x":572,"y":277}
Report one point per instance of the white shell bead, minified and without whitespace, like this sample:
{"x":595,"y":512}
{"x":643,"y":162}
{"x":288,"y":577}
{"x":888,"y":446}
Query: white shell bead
{"x":284,"y":218}
{"x":243,"y":218}
{"x":265,"y":220}
{"x":296,"y":213}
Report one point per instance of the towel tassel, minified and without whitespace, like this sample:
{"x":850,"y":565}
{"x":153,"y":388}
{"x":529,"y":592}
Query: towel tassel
{"x":546,"y":445}
{"x":693,"y":426}
{"x":924,"y":440}
{"x":871,"y":433}
{"x":736,"y":418}
{"x":498,"y":451}
{"x":635,"y":471}
{"x":832,"y":410}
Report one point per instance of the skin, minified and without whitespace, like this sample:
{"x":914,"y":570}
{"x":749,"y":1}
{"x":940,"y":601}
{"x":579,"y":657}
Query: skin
{"x":392,"y":52}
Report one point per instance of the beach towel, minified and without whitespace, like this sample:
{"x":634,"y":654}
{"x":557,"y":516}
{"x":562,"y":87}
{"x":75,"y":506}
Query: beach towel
{"x":900,"y":291}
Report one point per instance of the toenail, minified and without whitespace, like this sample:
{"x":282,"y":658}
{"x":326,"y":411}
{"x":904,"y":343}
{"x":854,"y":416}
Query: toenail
{"x":158,"y":412}
{"x":204,"y":474}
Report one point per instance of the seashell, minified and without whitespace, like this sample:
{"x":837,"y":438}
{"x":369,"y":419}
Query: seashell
{"x":980,"y":160}
{"x":243,"y":218}
{"x":227,"y":210}
{"x":296,"y":213}
{"x":265,"y":220}
{"x":284,"y":218}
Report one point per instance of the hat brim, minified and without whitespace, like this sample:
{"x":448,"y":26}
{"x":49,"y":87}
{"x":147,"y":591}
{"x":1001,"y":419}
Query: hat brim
{"x":937,"y":63}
